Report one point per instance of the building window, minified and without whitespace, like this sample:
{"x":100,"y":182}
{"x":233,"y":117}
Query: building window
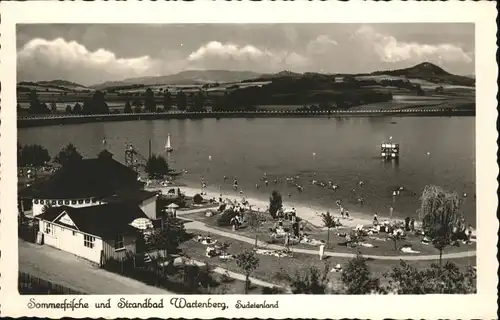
{"x":87,"y":200}
{"x":119,"y":243}
{"x":35,"y":201}
{"x":41,"y":201}
{"x":66,"y":201}
{"x":94,"y":200}
{"x":74,"y":233}
{"x":54,"y":202}
{"x":60,"y":202}
{"x":80,"y":201}
{"x":73,"y":201}
{"x":48,"y":228}
{"x":88,"y":241}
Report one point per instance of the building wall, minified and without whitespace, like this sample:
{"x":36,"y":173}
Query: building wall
{"x":71,"y":241}
{"x":38,"y":206}
{"x":148,"y":206}
{"x":129,"y":242}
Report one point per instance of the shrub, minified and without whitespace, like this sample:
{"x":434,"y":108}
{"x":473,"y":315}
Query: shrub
{"x":272,"y":290}
{"x":197,"y":198}
{"x":357,"y":278}
{"x":224,"y":219}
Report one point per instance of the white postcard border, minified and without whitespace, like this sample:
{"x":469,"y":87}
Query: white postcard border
{"x":483,"y":14}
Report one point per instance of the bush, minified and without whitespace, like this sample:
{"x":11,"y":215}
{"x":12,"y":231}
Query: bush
{"x":272,"y":290}
{"x":357,"y":278}
{"x":197,"y":198}
{"x":224,"y":219}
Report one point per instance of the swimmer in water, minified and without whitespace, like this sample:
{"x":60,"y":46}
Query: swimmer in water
{"x":361,"y":183}
{"x":289,"y":195}
{"x":257,"y":186}
{"x":275,"y":181}
{"x":266,"y":182}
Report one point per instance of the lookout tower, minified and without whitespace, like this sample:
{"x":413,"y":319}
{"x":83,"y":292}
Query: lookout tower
{"x":133,"y":159}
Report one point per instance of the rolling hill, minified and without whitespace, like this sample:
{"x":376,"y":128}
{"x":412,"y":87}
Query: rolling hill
{"x":185,"y":77}
{"x":429,"y":72}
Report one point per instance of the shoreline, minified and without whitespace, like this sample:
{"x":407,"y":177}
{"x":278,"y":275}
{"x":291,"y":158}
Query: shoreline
{"x":306,"y":212}
{"x":58,"y":119}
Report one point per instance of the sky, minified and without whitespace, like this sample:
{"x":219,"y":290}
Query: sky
{"x":95,"y":53}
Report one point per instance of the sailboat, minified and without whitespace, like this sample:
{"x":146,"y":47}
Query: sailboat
{"x":168,"y":147}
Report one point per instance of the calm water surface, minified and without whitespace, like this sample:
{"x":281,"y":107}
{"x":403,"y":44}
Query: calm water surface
{"x":343,"y":151}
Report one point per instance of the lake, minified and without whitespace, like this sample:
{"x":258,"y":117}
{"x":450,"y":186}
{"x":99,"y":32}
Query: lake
{"x":434,"y":150}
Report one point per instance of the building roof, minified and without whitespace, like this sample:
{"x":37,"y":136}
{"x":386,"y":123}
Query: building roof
{"x":85,"y":178}
{"x":134,"y":196}
{"x":105,"y":221}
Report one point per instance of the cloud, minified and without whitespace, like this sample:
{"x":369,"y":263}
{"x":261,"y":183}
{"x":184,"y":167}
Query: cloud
{"x":215,"y":54}
{"x":46,"y":58}
{"x":321,"y":45}
{"x":41,"y":59}
{"x":389,"y":49}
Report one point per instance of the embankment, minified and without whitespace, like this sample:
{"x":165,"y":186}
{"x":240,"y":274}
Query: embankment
{"x":61,"y":119}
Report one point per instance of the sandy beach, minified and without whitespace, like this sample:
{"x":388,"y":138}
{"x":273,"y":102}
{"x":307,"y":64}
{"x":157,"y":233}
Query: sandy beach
{"x":306,"y":212}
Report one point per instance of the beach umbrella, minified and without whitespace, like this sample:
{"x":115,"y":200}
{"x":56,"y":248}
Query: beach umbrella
{"x":142,"y":223}
{"x":172,"y":206}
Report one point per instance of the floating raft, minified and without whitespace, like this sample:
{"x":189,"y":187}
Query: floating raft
{"x":389,"y":150}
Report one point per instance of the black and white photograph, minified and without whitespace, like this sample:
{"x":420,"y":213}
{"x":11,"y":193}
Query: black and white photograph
{"x":248,"y":160}
{"x":259,"y":159}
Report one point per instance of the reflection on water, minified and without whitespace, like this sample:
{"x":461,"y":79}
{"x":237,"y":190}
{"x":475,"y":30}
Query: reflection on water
{"x":433,"y":151}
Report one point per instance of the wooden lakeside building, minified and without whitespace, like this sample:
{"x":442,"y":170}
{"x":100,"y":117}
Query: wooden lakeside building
{"x":87,"y":208}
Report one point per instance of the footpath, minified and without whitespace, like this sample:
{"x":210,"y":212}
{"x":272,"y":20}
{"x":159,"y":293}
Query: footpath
{"x":197,"y":225}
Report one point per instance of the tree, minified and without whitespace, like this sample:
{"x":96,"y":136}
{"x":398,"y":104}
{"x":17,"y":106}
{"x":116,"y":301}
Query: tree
{"x":310,"y":280}
{"x":32,"y":155}
{"x":440,"y":216}
{"x":328,"y":222}
{"x":53,"y":107}
{"x":255,"y":219}
{"x":35,"y":106}
{"x":167,"y":100}
{"x":247,"y":261}
{"x":357,"y":278}
{"x":406,"y":279}
{"x":199,"y":102}
{"x":157,"y":167}
{"x":149,"y":100}
{"x":168,"y":238}
{"x":98,"y":103}
{"x":181,"y":100}
{"x":197,"y":198}
{"x":77,"y":109}
{"x":68,"y":155}
{"x":128,"y":107}
{"x":87,"y":107}
{"x":275,"y":203}
{"x":395,"y":236}
{"x":68,"y":109}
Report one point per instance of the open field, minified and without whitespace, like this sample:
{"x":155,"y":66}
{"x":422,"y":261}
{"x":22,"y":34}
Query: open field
{"x":381,"y":246}
{"x":270,"y":266}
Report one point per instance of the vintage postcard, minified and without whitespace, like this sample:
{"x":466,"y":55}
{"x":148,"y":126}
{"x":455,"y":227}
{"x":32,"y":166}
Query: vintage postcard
{"x":248,"y":159}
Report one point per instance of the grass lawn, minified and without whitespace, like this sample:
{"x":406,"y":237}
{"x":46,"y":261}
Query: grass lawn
{"x":383,"y":248}
{"x":269,"y":266}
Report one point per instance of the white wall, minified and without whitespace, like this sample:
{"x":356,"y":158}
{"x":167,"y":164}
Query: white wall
{"x":67,"y":240}
{"x":148,"y":206}
{"x":38,"y":207}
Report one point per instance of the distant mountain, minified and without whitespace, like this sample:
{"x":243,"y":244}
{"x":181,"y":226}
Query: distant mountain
{"x":272,"y":76}
{"x":60,"y":83}
{"x":429,"y":72}
{"x":185,"y":77}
